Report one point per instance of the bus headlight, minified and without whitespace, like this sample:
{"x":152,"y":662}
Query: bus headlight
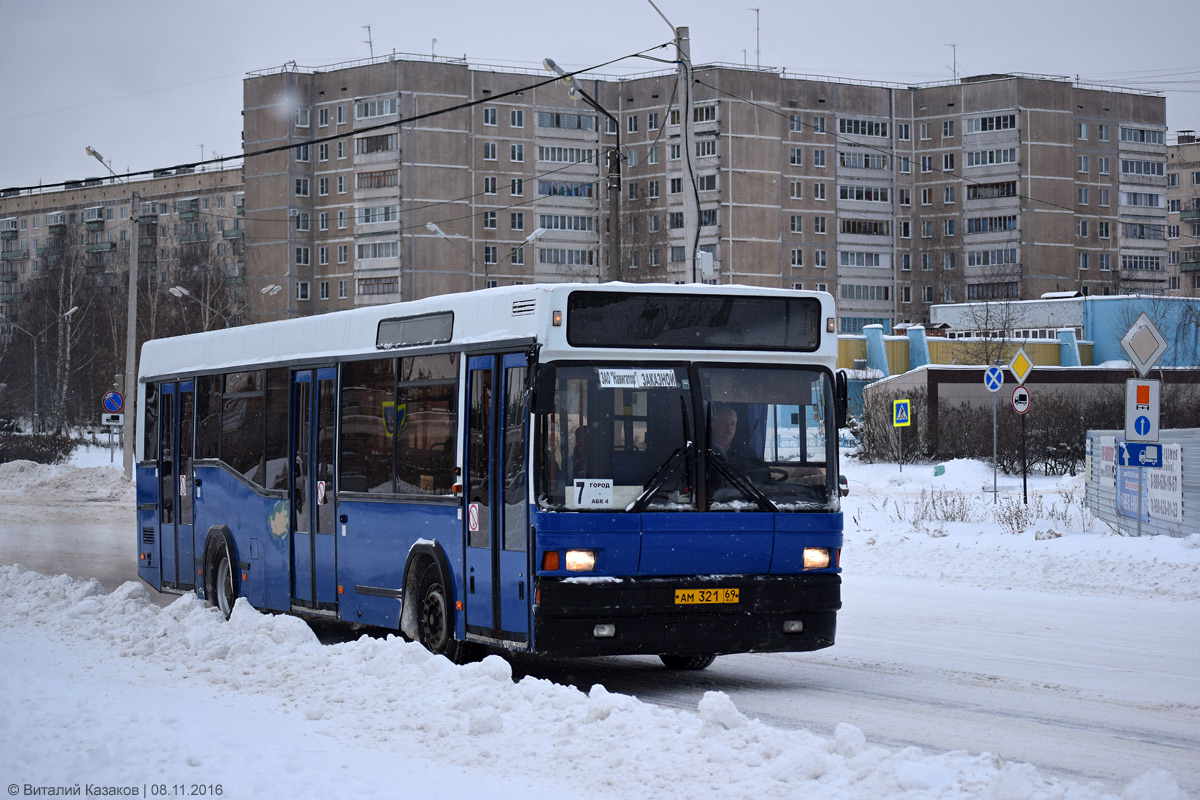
{"x":581,"y":560}
{"x":816,"y":558}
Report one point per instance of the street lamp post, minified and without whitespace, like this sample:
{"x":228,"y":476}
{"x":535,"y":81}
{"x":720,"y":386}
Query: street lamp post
{"x":433,"y":228}
{"x":127,"y":431}
{"x":179,"y":291}
{"x":35,"y":420}
{"x":614,"y":168}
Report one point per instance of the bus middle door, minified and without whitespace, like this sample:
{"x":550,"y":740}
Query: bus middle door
{"x":314,"y":412}
{"x":497,"y":572}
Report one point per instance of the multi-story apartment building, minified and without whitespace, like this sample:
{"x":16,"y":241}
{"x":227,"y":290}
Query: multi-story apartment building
{"x":189,"y":229}
{"x":1183,"y":215}
{"x":401,"y":178}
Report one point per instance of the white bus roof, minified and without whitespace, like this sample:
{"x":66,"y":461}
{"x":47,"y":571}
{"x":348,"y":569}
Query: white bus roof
{"x":510,"y":313}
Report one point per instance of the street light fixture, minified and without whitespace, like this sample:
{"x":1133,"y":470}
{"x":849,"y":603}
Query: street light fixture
{"x":35,"y":420}
{"x":433,"y":228}
{"x":127,"y":431}
{"x":614,"y":165}
{"x":179,"y":291}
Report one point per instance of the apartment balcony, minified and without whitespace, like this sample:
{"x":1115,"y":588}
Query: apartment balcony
{"x":147,"y":241}
{"x":41,"y":252}
{"x":234,"y":233}
{"x":98,"y":247}
{"x":94,"y":225}
{"x":1190,"y":266}
{"x":9,"y":298}
{"x":8,"y":233}
{"x":1189,"y":214}
{"x":14,"y":255}
{"x":56,"y":220}
{"x":235,"y":280}
{"x":193,"y":238}
{"x":189,"y":214}
{"x":8,"y":277}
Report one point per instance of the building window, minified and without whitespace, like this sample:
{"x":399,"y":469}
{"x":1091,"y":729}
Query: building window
{"x":797,"y":190}
{"x":322,"y":255}
{"x":516,"y":152}
{"x":948,"y":195}
{"x":1081,"y":131}
{"x":1081,"y":163}
{"x":489,"y":220}
{"x":343,"y":254}
{"x":323,"y":117}
{"x":341,"y":184}
{"x":301,"y":290}
{"x":948,"y":263}
{"x":1082,"y":195}
{"x":820,"y":259}
{"x":489,"y":151}
{"x":631,"y":124}
{"x":818,"y":224}
{"x":1103,"y":165}
{"x":381,"y":285}
{"x":926,"y":163}
{"x":323,"y":151}
{"x":516,"y":187}
{"x":676,"y":185}
{"x":322,"y":186}
{"x":341,"y":219}
{"x":652,"y":189}
{"x":818,"y":125}
{"x":516,"y":118}
{"x":797,"y":224}
{"x":324,"y":290}
{"x":517,"y":221}
{"x":302,"y":117}
{"x":302,"y":257}
{"x":1083,"y":227}
{"x":948,"y":162}
{"x":302,"y":187}
{"x":652,"y":122}
{"x":819,"y":158}
{"x":489,"y":185}
{"x":818,"y":191}
{"x":797,"y":157}
{"x":948,"y":129}
{"x":302,"y":152}
{"x":797,"y":257}
{"x":490,"y":253}
{"x":489,"y":117}
{"x":342,"y":289}
{"x":1083,"y":261}
{"x":302,"y":221}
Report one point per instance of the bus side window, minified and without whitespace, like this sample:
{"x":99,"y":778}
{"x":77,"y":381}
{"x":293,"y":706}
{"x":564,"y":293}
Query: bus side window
{"x":276,"y":455}
{"x":368,"y":426}
{"x":150,"y":440}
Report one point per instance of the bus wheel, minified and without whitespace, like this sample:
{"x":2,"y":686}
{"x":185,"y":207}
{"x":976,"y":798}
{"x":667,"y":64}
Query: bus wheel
{"x":223,"y":592}
{"x":435,"y":619}
{"x":687,"y":662}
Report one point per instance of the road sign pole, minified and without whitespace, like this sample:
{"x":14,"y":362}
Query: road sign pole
{"x":900,"y":434}
{"x":1024,"y":464}
{"x":995,"y":466}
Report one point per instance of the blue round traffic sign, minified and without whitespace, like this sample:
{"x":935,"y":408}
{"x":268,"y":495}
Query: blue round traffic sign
{"x":993,"y":379}
{"x":113,"y":402}
{"x":1142,"y":426}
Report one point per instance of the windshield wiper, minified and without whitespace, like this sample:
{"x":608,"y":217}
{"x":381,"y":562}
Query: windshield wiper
{"x":739,"y":481}
{"x":682,"y":455}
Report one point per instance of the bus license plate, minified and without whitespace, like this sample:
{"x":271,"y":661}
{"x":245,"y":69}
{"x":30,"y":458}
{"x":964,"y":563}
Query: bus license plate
{"x":685,"y":597}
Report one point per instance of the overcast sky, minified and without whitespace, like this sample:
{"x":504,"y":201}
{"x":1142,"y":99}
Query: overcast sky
{"x":147,"y":84}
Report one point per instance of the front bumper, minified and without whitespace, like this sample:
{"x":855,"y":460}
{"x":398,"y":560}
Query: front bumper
{"x":647,"y":620}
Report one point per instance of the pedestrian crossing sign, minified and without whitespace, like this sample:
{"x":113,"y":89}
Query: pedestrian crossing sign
{"x":901,"y":416}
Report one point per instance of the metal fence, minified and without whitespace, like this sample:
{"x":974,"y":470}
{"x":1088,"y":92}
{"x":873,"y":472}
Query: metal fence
{"x":1170,"y":496}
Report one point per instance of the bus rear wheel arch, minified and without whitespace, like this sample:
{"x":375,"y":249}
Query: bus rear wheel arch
{"x":220,"y":571}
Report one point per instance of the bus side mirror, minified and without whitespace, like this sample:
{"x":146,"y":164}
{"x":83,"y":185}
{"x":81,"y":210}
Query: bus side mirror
{"x":841,"y":398}
{"x":543,"y":390}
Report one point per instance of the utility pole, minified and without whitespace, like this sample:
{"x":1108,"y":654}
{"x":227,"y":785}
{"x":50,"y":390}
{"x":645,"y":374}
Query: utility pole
{"x":128,"y":432}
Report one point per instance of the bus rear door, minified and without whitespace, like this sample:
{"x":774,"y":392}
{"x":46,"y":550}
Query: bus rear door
{"x":175,"y":506}
{"x":497,"y":569}
{"x":314,"y":412}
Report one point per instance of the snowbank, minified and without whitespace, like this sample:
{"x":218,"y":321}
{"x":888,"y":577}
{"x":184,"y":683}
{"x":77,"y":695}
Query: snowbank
{"x":379,"y":702}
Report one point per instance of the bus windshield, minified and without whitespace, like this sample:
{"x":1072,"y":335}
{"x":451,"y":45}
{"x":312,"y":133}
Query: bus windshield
{"x":674,"y":437}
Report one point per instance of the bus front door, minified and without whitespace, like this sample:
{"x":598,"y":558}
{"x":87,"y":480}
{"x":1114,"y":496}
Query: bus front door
{"x":175,"y":507}
{"x":314,"y":412}
{"x":497,"y":568}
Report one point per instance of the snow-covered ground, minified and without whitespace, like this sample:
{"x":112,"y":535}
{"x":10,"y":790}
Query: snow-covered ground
{"x":117,"y":692}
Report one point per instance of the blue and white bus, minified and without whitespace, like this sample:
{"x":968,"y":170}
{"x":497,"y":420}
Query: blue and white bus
{"x":577,"y":469}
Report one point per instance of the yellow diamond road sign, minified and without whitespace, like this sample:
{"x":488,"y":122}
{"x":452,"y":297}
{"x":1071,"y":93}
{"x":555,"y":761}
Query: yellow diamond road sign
{"x":1021,"y":366}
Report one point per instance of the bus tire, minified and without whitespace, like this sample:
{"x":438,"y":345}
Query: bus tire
{"x":693,"y":662}
{"x":435,"y":618}
{"x":222,"y":582}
